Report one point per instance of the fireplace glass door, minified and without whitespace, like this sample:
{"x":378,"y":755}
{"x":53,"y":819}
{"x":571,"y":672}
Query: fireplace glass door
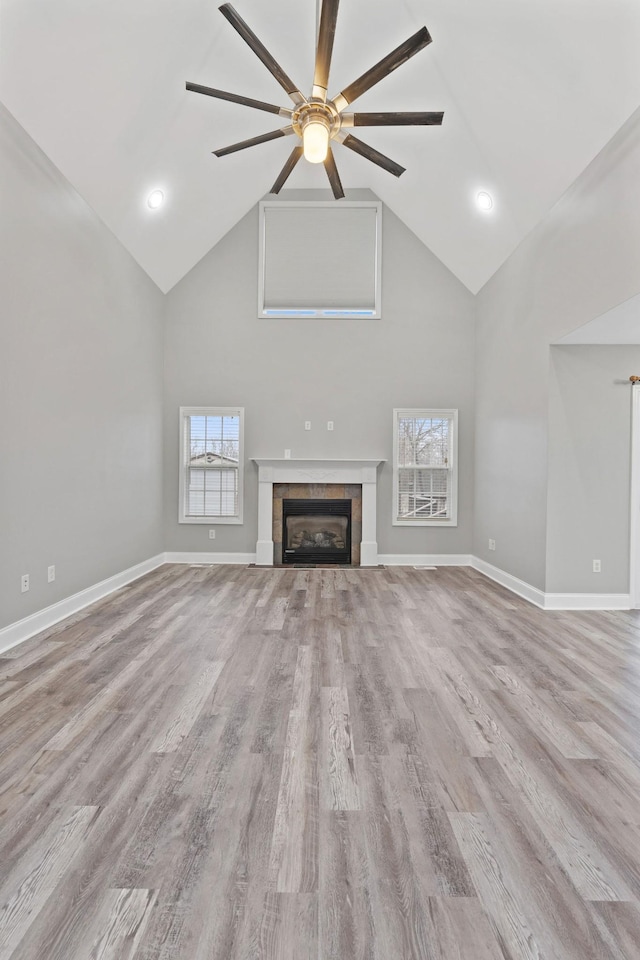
{"x":316,"y":531}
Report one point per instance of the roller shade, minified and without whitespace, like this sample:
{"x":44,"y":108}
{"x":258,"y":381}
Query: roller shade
{"x":320,"y":259}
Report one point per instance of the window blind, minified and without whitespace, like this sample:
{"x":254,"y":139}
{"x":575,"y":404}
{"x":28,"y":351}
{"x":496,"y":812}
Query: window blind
{"x":211,"y":471}
{"x":320,"y":259}
{"x":424,"y":488}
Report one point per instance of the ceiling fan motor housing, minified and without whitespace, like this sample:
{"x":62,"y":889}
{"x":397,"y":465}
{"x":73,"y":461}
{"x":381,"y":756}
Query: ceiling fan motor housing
{"x":316,"y":111}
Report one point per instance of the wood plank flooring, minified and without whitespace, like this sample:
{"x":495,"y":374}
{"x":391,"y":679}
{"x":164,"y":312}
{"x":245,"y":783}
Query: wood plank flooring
{"x":239,"y":763}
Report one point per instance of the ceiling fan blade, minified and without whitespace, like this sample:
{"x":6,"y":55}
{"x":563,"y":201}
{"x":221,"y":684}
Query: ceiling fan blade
{"x":404,"y":119}
{"x":237,"y":98}
{"x":254,"y":141}
{"x":326,"y":33}
{"x":286,"y":171}
{"x":383,"y":68}
{"x":261,"y":52}
{"x":334,"y":177}
{"x":371,"y":154}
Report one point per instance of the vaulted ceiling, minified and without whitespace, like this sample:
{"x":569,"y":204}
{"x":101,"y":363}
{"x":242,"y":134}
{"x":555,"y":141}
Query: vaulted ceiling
{"x":531,"y":89}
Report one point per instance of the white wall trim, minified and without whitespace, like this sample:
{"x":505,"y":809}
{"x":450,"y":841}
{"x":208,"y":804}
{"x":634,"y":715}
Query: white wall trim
{"x":587,"y":601}
{"x":552,"y":601}
{"x":425,"y":559}
{"x":210,"y":558}
{"x":519,"y":587}
{"x":634,"y":507}
{"x":21,"y":630}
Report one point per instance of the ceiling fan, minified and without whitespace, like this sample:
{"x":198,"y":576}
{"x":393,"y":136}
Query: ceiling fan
{"x":316,"y":120}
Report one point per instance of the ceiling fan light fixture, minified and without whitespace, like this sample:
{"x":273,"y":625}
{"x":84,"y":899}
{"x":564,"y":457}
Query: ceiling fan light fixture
{"x":315,"y":139}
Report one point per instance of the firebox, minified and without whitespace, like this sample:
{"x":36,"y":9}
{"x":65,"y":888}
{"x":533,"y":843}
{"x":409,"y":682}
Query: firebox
{"x":316,"y":531}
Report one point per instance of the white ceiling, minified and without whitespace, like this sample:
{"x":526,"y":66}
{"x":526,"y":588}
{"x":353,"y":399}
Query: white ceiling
{"x":532,"y":90}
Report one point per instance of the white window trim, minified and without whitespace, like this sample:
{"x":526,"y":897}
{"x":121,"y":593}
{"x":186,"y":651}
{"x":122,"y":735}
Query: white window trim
{"x":452,"y":521}
{"x":309,"y":312}
{"x":210,"y":412}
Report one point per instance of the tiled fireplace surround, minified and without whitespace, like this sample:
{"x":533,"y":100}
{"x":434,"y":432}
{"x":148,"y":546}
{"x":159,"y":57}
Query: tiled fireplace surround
{"x":353,"y":480}
{"x":318,"y":491}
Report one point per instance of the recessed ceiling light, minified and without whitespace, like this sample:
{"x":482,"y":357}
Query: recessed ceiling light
{"x":155,"y":199}
{"x":484,"y":201}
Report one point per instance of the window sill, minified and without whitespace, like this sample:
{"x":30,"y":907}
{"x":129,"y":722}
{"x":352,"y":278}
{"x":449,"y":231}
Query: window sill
{"x":212,"y":521}
{"x":424,"y":523}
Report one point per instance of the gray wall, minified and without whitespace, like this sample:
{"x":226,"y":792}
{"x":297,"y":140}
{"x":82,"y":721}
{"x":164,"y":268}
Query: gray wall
{"x":80,"y":389}
{"x":353,"y":372}
{"x":589,"y":457}
{"x":81,"y":361}
{"x":579,"y":262}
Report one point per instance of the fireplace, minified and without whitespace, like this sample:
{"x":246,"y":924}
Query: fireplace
{"x":316,"y":531}
{"x":277,"y":478}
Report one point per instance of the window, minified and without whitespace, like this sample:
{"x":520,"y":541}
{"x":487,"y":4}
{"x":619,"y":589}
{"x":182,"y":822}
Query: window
{"x":346,"y":242}
{"x":425,"y":467}
{"x":211,"y":464}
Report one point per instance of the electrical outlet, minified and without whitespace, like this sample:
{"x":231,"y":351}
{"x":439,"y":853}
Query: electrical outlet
{"x":51,"y":573}
{"x":287,"y":454}
{"x":24,"y":582}
{"x":492,"y":544}
{"x":212,"y":534}
{"x":307,"y":424}
{"x":596,"y":566}
{"x":329,"y":424}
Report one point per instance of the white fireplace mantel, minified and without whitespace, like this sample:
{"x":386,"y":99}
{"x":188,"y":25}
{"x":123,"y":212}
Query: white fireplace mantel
{"x":272,"y":471}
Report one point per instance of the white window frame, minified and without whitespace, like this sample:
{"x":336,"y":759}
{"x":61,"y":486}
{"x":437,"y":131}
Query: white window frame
{"x":452,"y":415}
{"x":316,"y":311}
{"x":185,"y":413}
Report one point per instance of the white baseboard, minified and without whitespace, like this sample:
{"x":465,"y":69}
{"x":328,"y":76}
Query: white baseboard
{"x":553,"y":601}
{"x":425,"y":559}
{"x":213,"y":558}
{"x":22,"y":630}
{"x":16,"y":633}
{"x":519,"y":587}
{"x":587,"y":601}
{"x":546,"y":601}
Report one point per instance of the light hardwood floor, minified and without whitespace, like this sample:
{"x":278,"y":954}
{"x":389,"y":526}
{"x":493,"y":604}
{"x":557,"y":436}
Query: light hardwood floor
{"x":228,"y":763}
